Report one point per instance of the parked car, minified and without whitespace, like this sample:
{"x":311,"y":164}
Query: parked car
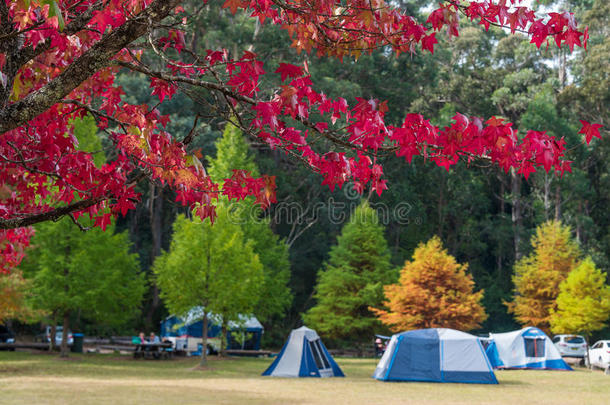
{"x":599,"y":354}
{"x":571,"y":345}
{"x":46,"y":336}
{"x":6,"y":335}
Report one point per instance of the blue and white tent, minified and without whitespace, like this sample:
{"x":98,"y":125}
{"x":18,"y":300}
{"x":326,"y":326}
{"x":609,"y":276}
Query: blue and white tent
{"x":244,"y":334}
{"x":526,"y":348}
{"x":435,"y":355}
{"x":304,"y":355}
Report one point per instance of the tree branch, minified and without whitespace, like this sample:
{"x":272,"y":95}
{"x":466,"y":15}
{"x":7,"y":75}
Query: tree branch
{"x":53,"y":215}
{"x":97,"y":57}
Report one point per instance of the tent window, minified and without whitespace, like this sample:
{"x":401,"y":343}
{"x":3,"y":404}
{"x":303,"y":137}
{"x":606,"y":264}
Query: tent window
{"x":318,"y":355}
{"x":534,"y":347}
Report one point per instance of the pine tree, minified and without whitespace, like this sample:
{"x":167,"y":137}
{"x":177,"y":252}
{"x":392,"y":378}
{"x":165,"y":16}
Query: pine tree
{"x":538,"y":276}
{"x":275,"y":296}
{"x":352,"y":280}
{"x":231,"y":154}
{"x":433,"y":291}
{"x":583,"y":303}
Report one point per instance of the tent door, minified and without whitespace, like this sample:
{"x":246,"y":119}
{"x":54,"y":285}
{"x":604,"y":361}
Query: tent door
{"x":320,"y":358}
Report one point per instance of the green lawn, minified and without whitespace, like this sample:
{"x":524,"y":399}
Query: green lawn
{"x":111,"y":379}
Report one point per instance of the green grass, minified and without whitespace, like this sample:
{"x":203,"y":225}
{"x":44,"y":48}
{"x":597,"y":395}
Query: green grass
{"x":111,"y":379}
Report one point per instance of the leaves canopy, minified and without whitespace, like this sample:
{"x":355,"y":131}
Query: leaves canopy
{"x":59,"y":56}
{"x":232,"y":153}
{"x":434,"y":291}
{"x":210,"y":266}
{"x":352,"y":280}
{"x":538,"y":276}
{"x":91,"y":272}
{"x":583,"y":303}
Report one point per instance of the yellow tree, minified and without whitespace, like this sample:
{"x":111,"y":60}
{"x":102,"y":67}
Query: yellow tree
{"x":434,"y":290}
{"x":583,"y":303}
{"x":537,"y":276}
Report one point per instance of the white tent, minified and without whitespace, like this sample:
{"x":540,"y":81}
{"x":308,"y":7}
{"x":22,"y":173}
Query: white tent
{"x":304,"y":355}
{"x":436,"y":355}
{"x":526,"y":348}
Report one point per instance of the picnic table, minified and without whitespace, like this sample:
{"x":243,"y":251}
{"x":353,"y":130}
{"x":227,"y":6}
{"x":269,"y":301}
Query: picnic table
{"x":161,"y":350}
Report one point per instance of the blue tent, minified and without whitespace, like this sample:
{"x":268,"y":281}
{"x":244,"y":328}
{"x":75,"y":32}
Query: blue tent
{"x":304,"y":355}
{"x":191,"y":325}
{"x":526,"y":348}
{"x":435,"y":355}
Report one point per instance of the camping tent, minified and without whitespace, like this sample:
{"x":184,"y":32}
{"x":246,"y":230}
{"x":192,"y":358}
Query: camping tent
{"x":526,"y":348}
{"x":304,"y":355}
{"x":245,"y":334}
{"x":436,"y":355}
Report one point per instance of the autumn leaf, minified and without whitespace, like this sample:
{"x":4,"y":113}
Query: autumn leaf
{"x":590,"y":130}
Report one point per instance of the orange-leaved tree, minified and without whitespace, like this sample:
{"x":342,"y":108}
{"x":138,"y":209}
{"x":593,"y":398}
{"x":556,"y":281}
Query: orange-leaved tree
{"x":434,"y":290}
{"x":14,"y":294}
{"x":537,"y":276}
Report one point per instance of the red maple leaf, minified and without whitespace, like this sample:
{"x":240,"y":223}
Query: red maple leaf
{"x":233,"y":5}
{"x":287,"y":70}
{"x":428,"y":42}
{"x":590,"y":130}
{"x":572,"y":38}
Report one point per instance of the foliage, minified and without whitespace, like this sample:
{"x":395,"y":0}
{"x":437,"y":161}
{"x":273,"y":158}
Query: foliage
{"x":433,"y":291}
{"x":538,"y":276}
{"x":480,"y":217}
{"x":352,"y":280}
{"x":14,"y":294}
{"x":275,"y":296}
{"x":231,"y":153}
{"x":210,"y":266}
{"x":92,"y":273}
{"x":583,"y":303}
{"x":50,"y":78}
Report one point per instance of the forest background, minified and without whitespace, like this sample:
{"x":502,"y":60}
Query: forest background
{"x":483,"y":216}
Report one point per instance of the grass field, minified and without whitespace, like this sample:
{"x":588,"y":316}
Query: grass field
{"x":111,"y":379}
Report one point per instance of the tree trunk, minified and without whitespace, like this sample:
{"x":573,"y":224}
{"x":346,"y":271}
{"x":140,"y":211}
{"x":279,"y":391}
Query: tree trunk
{"x":558,"y":203}
{"x":500,"y":255}
{"x":516,"y":215}
{"x":547,"y":196}
{"x":53,"y":333}
{"x":204,"y":340}
{"x":441,"y":205}
{"x":64,"y":335}
{"x":223,"y":338}
{"x":579,"y":223}
{"x":156,"y":230}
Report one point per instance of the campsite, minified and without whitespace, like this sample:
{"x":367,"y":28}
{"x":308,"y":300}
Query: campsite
{"x":305,"y":202}
{"x":102,"y":379}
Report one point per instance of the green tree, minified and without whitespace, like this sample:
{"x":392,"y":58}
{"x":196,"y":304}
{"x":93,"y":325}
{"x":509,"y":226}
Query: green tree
{"x":86,"y":131}
{"x":583,"y":303}
{"x":210,"y":266}
{"x":91,"y":273}
{"x":352,"y":280}
{"x":538,"y":276}
{"x":232,"y":153}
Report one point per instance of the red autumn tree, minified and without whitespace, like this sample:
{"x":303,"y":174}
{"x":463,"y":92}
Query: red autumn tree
{"x":434,"y":291}
{"x":59,"y":58}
